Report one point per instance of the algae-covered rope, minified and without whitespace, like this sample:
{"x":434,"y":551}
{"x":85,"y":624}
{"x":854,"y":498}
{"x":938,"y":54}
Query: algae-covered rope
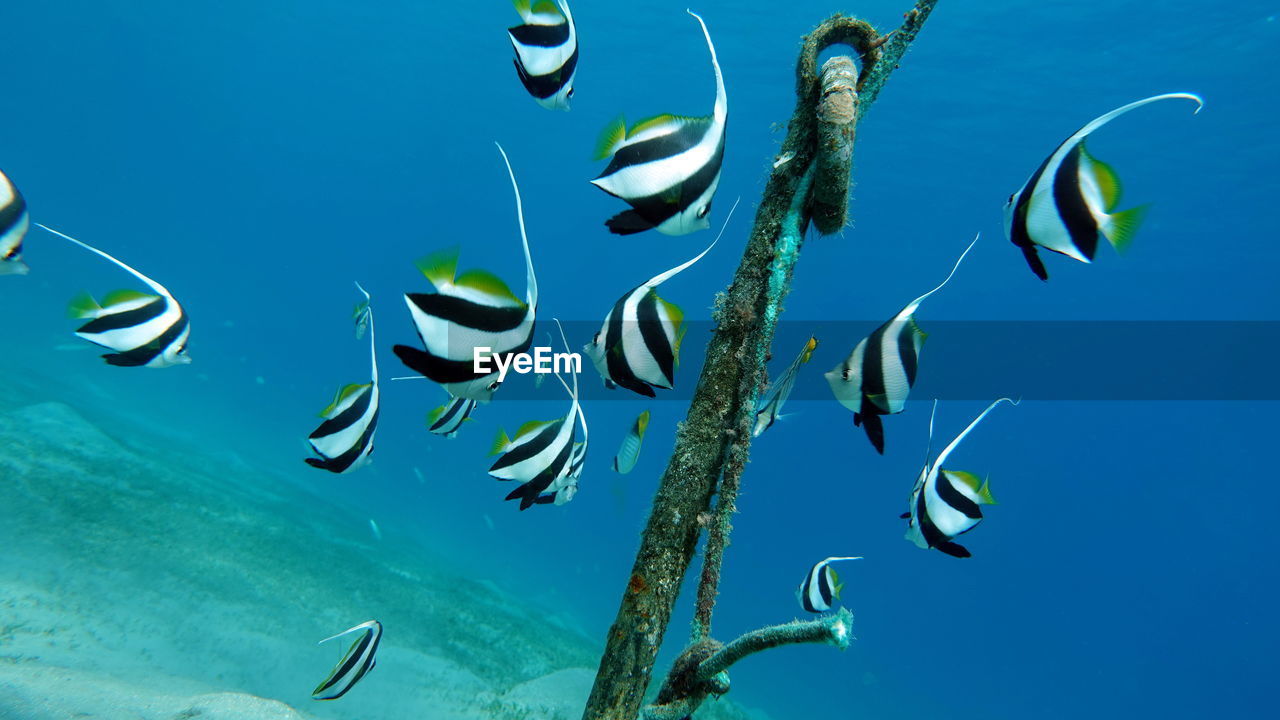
{"x":713,"y":442}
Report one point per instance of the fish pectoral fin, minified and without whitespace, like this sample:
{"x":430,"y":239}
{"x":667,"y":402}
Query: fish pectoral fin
{"x":628,"y":222}
{"x":1120,"y":228}
{"x":905,"y":515}
{"x":1105,"y":176}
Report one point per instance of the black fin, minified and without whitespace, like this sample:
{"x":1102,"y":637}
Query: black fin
{"x":628,"y":222}
{"x":954,"y":549}
{"x":905,"y":515}
{"x":1037,"y":265}
{"x":546,"y":499}
{"x":318,"y":463}
{"x":123,"y":360}
{"x":857,"y":419}
{"x":875,"y":431}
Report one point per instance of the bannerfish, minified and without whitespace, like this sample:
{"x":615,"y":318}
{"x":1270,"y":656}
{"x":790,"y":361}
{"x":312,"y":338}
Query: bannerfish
{"x":344,"y":440}
{"x":144,"y":330}
{"x":565,"y":488}
{"x":1070,"y":200}
{"x":666,"y":167}
{"x":14,"y":223}
{"x":821,"y":586}
{"x":358,"y":661}
{"x":361,"y":317}
{"x":945,"y":503}
{"x":473,"y":310}
{"x":447,"y":419}
{"x":877,"y":376}
{"x":541,"y":454}
{"x":546,"y":48}
{"x":771,"y":406}
{"x":638,"y":345}
{"x":627,"y":455}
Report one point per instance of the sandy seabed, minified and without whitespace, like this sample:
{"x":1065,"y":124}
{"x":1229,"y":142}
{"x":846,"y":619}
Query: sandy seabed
{"x":150,"y":587}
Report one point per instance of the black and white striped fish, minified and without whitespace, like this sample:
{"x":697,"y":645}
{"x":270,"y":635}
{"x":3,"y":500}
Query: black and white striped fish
{"x":543,"y":455}
{"x":771,"y":406}
{"x":546,"y":48}
{"x":945,"y":503}
{"x":447,"y":419}
{"x":666,"y":167}
{"x":143,"y":329}
{"x":821,"y":586}
{"x":468,"y":311}
{"x":627,"y":455}
{"x":14,"y":223}
{"x":1069,"y":202}
{"x":358,"y":661}
{"x":344,"y":440}
{"x":877,"y":376}
{"x":638,"y":345}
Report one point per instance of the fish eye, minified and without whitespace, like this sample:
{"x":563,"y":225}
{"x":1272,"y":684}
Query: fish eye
{"x":845,"y":374}
{"x":569,"y":94}
{"x":596,"y":339}
{"x":702,"y":211}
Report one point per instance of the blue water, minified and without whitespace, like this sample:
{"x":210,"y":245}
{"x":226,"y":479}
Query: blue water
{"x":258,"y":157}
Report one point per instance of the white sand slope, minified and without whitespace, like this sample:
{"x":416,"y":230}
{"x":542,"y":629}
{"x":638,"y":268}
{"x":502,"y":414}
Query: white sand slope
{"x":141,"y":589}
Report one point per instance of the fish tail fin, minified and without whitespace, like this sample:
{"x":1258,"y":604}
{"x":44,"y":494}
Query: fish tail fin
{"x":1122,"y":226}
{"x":500,"y":443}
{"x":611,"y":138}
{"x":1034,"y":261}
{"x":874,"y":426}
{"x":83,"y":307}
{"x":984,"y":493}
{"x":954,"y":549}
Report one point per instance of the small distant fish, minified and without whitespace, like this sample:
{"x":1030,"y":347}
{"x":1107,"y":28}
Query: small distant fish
{"x":821,"y":586}
{"x":666,"y":167}
{"x":771,"y":406}
{"x":418,"y":474}
{"x":14,"y":223}
{"x":543,"y":455}
{"x":546,"y":48}
{"x":638,"y":345}
{"x":1071,"y":198}
{"x":877,"y":376}
{"x":358,"y":661}
{"x":361,"y":318}
{"x":344,"y":440}
{"x":468,"y":311}
{"x":448,"y":418}
{"x":627,"y":455}
{"x":373,"y":527}
{"x":945,"y":503}
{"x":144,"y":330}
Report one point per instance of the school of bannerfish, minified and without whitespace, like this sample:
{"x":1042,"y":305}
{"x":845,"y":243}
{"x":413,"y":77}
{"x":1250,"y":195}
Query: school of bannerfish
{"x":667,"y":168}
